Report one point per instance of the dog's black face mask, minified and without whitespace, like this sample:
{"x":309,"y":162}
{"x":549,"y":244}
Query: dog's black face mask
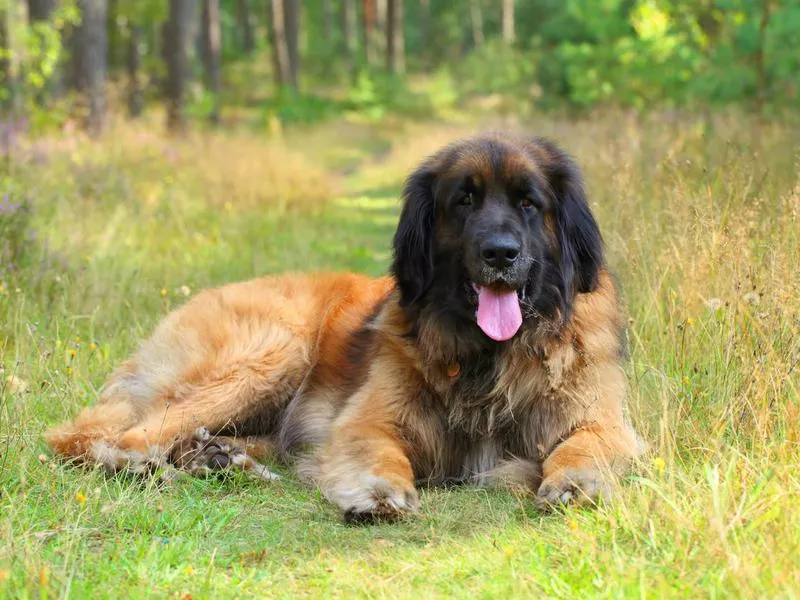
{"x":497,"y":230}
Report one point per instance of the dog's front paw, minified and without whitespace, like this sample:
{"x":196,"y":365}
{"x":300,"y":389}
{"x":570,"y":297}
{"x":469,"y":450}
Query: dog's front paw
{"x":368,"y":498}
{"x":583,"y":486}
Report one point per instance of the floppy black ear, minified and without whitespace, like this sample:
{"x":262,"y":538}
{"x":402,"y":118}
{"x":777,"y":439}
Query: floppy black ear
{"x":580,"y":242}
{"x":413,"y":241}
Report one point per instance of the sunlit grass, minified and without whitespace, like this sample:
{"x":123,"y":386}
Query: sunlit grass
{"x":702,"y":225}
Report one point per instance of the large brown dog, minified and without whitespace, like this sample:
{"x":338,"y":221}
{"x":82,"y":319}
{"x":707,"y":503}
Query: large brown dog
{"x":492,"y":355}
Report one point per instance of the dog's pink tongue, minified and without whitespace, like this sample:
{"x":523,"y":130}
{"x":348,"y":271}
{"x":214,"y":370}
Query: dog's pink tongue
{"x":499,"y":315}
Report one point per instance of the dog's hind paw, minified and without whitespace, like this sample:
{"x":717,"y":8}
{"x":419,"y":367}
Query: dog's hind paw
{"x":204,"y":454}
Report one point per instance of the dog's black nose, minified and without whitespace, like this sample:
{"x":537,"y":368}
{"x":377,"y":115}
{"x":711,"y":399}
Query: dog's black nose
{"x":500,"y":251}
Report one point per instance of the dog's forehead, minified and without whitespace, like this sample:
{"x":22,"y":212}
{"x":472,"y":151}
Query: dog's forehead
{"x":489,"y":160}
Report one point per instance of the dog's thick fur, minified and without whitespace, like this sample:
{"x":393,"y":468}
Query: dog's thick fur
{"x":374,"y":386}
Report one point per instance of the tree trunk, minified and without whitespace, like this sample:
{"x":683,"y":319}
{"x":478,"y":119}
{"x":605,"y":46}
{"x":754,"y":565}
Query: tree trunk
{"x":280,"y":50}
{"x":381,"y":46}
{"x":395,"y":40}
{"x":327,"y":21}
{"x":89,"y":52}
{"x":350,"y":33}
{"x":40,"y":10}
{"x":291,"y":14}
{"x":369,"y":32}
{"x":425,"y":24}
{"x":476,"y":17}
{"x":760,"y":61}
{"x":177,"y":47}
{"x":135,"y":95}
{"x":116,"y":58}
{"x":212,"y":44}
{"x":508,"y":21}
{"x":245,"y":26}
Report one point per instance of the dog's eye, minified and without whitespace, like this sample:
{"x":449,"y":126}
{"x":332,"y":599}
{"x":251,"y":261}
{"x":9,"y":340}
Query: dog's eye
{"x":527,"y":203}
{"x":466,"y":199}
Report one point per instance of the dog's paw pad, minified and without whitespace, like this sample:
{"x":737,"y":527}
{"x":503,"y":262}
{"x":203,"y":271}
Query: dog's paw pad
{"x":204,"y":454}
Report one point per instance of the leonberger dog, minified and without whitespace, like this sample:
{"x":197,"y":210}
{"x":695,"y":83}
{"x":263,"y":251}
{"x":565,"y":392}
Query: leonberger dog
{"x":492,"y":354}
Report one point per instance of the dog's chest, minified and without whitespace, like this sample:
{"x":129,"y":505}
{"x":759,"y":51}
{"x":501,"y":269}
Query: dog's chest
{"x":501,"y":407}
{"x":489,"y":394}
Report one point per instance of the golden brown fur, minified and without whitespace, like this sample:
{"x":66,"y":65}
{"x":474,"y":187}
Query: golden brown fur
{"x":370,"y":392}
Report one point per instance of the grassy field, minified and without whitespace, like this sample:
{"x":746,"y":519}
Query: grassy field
{"x":702,"y":224}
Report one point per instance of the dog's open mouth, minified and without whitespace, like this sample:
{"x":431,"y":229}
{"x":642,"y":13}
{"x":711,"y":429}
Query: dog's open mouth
{"x":498,"y":311}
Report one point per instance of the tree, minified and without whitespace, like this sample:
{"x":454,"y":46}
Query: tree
{"x":508,"y":21}
{"x":116,"y":57}
{"x":350,"y":33}
{"x":89,"y":54}
{"x":760,"y":62}
{"x":40,"y":10}
{"x":177,"y":47}
{"x":381,"y":8}
{"x":395,"y":40}
{"x":369,"y":31}
{"x":424,"y":24}
{"x":476,"y":18}
{"x":327,"y":20}
{"x":212,"y":44}
{"x":291,"y":13}
{"x":245,"y":23}
{"x":280,"y":49}
{"x":134,"y":64}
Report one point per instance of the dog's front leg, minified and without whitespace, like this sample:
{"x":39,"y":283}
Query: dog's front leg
{"x":364,"y":469}
{"x":584,"y":467}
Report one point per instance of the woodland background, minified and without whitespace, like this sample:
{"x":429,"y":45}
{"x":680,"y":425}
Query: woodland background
{"x":302,"y":61}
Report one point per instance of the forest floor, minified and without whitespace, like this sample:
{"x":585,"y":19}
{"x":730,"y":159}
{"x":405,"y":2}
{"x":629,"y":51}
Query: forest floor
{"x":702,"y":224}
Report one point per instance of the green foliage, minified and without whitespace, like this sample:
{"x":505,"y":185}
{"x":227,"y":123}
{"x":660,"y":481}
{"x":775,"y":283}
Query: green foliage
{"x":495,"y":68}
{"x":374,"y":94}
{"x":300,"y":109}
{"x":35,"y":51}
{"x":650,"y":52}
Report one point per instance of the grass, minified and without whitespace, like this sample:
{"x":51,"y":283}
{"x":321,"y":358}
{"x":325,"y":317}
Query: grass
{"x":702,"y":224}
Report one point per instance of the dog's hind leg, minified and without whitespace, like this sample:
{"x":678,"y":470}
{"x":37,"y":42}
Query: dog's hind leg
{"x":121,"y":404}
{"x":143,"y":413}
{"x":220,"y":401}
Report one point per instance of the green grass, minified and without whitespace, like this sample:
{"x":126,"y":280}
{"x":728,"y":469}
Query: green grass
{"x":702,"y":224}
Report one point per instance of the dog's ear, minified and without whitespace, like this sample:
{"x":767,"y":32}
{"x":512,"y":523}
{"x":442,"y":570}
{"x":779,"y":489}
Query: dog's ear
{"x":413,"y":240}
{"x":579,"y":239}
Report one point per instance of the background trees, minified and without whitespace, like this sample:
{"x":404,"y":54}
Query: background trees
{"x":89,"y":49}
{"x":301,"y":58}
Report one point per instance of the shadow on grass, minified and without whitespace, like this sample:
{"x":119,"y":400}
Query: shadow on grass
{"x":234,"y":520}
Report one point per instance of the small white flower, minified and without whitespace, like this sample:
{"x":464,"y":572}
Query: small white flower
{"x":15,"y":384}
{"x":714,"y":303}
{"x":752,"y":298}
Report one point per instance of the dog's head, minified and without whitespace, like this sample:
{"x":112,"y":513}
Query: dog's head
{"x":498,"y":228}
